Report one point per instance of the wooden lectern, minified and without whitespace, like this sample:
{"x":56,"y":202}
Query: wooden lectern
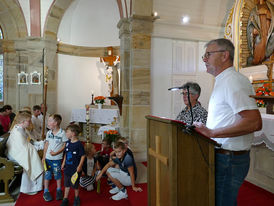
{"x":181,"y":169}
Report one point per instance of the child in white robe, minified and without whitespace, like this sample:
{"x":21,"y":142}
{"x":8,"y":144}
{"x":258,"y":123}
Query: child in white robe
{"x":25,"y":154}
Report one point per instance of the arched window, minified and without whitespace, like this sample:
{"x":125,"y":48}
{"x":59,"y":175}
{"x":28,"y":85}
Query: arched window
{"x":1,"y":71}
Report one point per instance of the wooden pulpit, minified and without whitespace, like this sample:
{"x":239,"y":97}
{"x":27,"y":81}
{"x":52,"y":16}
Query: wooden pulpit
{"x":181,"y":169}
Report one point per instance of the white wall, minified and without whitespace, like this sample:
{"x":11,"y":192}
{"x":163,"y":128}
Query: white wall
{"x":25,"y":6}
{"x":45,"y":6}
{"x":76,"y":81}
{"x":161,"y":71}
{"x":89,"y":23}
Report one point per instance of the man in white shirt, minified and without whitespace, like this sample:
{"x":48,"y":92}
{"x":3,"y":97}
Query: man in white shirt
{"x":233,"y":118}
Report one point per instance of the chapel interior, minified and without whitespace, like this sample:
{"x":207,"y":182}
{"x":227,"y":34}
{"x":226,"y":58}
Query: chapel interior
{"x":64,"y":53}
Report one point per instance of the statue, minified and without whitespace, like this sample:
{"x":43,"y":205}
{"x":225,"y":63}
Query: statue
{"x":260,"y":36}
{"x":111,"y":63}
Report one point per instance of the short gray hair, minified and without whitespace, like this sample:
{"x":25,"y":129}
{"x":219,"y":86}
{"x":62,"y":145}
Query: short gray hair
{"x":194,"y":88}
{"x":224,"y":44}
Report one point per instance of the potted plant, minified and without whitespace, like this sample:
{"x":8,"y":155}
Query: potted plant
{"x":100,"y":100}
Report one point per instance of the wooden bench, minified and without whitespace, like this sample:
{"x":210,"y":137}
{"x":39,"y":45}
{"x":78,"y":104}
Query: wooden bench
{"x":8,"y":171}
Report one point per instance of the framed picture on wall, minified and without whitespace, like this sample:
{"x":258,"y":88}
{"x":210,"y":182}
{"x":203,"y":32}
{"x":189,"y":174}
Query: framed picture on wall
{"x":35,"y":77}
{"x":22,"y":78}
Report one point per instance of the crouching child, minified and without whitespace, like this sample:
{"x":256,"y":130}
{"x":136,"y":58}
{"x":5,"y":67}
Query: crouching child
{"x":123,"y":176}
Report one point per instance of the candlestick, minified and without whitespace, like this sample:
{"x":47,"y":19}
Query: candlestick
{"x":92,"y":102}
{"x":87,"y":122}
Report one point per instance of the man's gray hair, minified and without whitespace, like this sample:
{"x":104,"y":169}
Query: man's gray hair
{"x":194,"y":88}
{"x":224,"y":44}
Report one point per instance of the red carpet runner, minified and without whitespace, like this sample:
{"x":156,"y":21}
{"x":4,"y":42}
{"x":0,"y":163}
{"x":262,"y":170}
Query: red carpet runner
{"x":88,"y":198}
{"x":249,"y":195}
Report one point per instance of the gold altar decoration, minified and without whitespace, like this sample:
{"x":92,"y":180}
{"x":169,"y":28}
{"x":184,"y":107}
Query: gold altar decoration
{"x":237,"y":25}
{"x":228,"y":25}
{"x":243,"y":14}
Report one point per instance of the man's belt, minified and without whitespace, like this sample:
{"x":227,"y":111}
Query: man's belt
{"x":229,"y":152}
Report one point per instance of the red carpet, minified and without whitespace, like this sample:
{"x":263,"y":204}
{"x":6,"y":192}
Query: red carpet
{"x":88,"y":198}
{"x":249,"y":195}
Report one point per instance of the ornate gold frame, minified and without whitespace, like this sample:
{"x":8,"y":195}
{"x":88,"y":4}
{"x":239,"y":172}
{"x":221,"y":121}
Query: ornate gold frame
{"x":235,"y":30}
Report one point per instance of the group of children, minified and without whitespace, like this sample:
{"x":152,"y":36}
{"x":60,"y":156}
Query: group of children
{"x":80,"y":163}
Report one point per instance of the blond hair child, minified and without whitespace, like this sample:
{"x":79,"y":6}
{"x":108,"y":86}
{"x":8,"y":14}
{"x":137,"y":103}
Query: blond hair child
{"x":89,"y":168}
{"x":53,"y":155}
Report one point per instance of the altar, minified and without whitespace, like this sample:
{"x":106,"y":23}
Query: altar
{"x":97,"y":116}
{"x":261,"y":171}
{"x":99,"y":120}
{"x":266,"y":135}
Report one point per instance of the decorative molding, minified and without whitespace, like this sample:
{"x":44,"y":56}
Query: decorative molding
{"x":85,"y":51}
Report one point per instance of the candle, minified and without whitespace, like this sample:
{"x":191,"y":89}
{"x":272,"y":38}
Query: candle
{"x":92,"y":93}
{"x":250,"y":78}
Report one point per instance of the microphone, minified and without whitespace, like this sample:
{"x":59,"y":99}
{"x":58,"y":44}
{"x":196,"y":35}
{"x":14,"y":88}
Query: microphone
{"x":188,"y":128}
{"x":175,"y":88}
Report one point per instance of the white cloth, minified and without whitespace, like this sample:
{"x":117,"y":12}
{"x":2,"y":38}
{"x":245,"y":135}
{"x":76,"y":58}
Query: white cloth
{"x":24,"y":153}
{"x":106,"y":128}
{"x":98,"y":116}
{"x":266,"y":135}
{"x":56,"y":142}
{"x":28,"y":186}
{"x":39,"y":145}
{"x":229,"y":97}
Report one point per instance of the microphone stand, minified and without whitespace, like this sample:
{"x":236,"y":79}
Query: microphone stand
{"x":189,"y":128}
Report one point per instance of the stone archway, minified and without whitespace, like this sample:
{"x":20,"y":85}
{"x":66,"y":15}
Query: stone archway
{"x":12,"y":20}
{"x":54,"y":18}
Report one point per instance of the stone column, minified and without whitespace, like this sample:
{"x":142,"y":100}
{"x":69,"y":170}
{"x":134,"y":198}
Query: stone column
{"x":124,"y":35}
{"x":135,"y":47}
{"x":139,"y":95}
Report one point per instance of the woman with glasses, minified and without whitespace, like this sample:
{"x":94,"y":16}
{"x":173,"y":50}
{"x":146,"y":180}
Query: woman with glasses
{"x":199,"y":113}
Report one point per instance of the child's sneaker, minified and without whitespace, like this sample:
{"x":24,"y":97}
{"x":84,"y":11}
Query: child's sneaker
{"x":114,"y":190}
{"x":90,"y":187}
{"x":47,"y":196}
{"x":65,"y":202}
{"x":76,"y":201}
{"x":59,"y":195}
{"x":120,"y":195}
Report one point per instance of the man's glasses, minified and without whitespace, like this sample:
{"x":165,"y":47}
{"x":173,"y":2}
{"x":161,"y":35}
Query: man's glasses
{"x":207,"y":54}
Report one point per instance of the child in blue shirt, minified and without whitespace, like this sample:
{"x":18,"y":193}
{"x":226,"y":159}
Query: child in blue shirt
{"x":73,"y":161}
{"x":125,"y":175}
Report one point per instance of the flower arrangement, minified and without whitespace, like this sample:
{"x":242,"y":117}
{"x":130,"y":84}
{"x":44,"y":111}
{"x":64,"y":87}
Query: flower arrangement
{"x":112,"y":135}
{"x":264,"y":90}
{"x":99,"y":100}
